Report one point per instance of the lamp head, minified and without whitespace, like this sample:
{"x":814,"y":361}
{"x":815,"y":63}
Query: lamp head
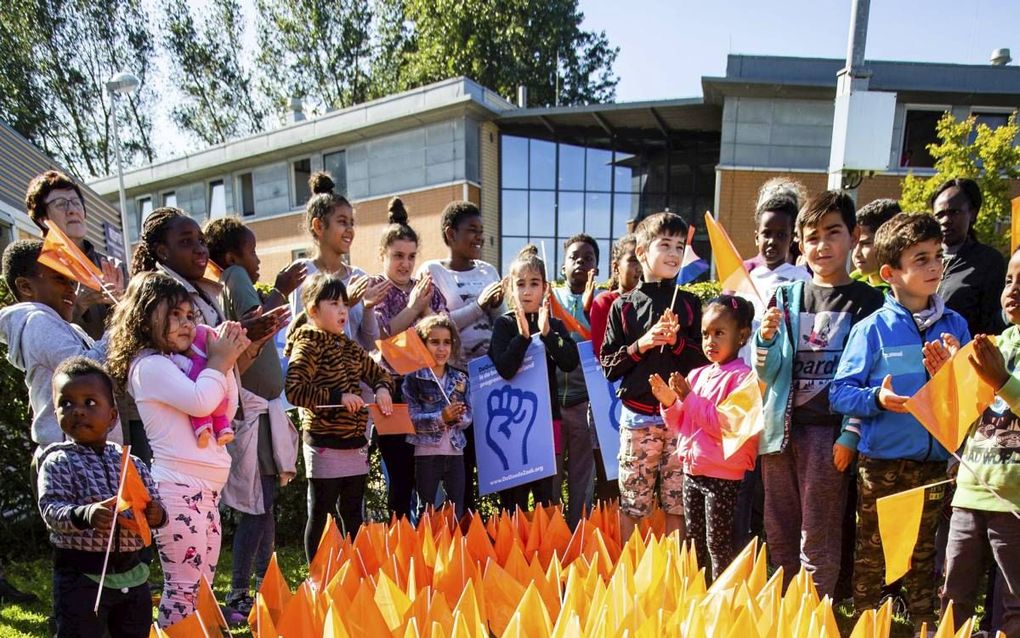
{"x":122,"y":82}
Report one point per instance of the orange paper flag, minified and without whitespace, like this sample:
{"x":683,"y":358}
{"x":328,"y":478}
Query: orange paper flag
{"x":61,"y":254}
{"x":899,"y":521}
{"x":187,"y":627}
{"x":260,"y":621}
{"x":572,"y":324}
{"x":405,"y":352}
{"x":325,"y":563}
{"x":133,"y":497}
{"x":301,"y":619}
{"x":740,"y":415}
{"x":274,"y":590}
{"x":399,"y":422}
{"x":209,"y":610}
{"x":1014,"y":225}
{"x":212,"y":272}
{"x":729,"y":266}
{"x":952,"y":400}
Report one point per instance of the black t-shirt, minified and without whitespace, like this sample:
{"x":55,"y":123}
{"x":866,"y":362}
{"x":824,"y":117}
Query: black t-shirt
{"x":826,"y":316}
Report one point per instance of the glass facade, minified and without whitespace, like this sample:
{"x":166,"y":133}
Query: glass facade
{"x":552,"y":190}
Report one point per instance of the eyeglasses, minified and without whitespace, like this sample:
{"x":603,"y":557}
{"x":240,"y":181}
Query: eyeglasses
{"x":62,"y":204}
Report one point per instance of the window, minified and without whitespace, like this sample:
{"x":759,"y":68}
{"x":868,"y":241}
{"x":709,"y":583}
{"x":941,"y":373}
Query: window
{"x":336,"y":165}
{"x":247,"y":190}
{"x":542,"y":161}
{"x":918,"y":132}
{"x":217,"y":199}
{"x":170,"y":199}
{"x":6,"y":234}
{"x":299,"y":253}
{"x":144,"y":206}
{"x":514,"y":162}
{"x":301,"y":170}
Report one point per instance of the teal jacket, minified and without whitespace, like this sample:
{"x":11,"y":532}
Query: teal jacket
{"x":773,"y":361}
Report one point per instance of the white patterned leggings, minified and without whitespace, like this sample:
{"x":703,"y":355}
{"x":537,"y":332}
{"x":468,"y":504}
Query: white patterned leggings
{"x":189,"y":546}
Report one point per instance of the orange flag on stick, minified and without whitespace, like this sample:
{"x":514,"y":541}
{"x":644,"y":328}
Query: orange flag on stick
{"x":740,"y":415}
{"x":729,"y":266}
{"x":405,"y":352}
{"x":397,"y":423}
{"x":952,"y":400}
{"x":899,"y":521}
{"x":133,"y":497}
{"x":572,"y":324}
{"x":209,"y":611}
{"x":61,"y":254}
{"x":1015,"y":225}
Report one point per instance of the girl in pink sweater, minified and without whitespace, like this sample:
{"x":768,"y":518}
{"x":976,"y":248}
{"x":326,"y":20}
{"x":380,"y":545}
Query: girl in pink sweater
{"x":711,"y":481}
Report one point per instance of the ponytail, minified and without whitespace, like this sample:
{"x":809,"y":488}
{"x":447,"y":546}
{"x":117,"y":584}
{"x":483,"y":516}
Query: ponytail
{"x":154,"y":231}
{"x":398,"y":229}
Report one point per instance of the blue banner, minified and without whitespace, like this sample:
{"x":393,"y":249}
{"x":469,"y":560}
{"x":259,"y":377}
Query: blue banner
{"x":512,"y":422}
{"x":605,"y":408}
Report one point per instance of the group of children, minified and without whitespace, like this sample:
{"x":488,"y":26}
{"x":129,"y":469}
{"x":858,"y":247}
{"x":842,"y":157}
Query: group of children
{"x":836,"y":357}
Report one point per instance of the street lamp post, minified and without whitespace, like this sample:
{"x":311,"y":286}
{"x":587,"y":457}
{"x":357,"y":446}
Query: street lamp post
{"x":123,"y":83}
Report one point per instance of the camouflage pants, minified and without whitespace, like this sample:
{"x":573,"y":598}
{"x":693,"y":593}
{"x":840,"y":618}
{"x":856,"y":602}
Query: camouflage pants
{"x":648,"y":454}
{"x":877,"y":478}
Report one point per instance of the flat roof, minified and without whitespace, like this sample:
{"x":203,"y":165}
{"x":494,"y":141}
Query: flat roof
{"x":424,"y":105}
{"x":933,"y":82}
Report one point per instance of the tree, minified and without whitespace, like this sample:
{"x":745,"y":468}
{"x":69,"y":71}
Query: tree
{"x":318,"y":50}
{"x":390,"y":48}
{"x":71,"y":47}
{"x":205,"y":61}
{"x":968,"y":149}
{"x":509,"y":43}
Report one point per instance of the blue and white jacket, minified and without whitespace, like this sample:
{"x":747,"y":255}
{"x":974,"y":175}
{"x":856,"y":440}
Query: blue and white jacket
{"x":425,"y":404}
{"x":773,"y":361}
{"x":889,"y":342}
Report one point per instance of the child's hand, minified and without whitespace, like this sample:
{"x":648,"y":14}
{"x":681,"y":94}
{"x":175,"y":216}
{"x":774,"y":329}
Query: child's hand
{"x":842,"y":456}
{"x":937,"y":353}
{"x":492,"y":295}
{"x":522,"y":321}
{"x":888,"y":399}
{"x":375,"y":293}
{"x":421,"y":294}
{"x":671,"y":323}
{"x":356,"y":288}
{"x":99,"y":515}
{"x":353,"y":402}
{"x":226,"y":345}
{"x":678,"y":383}
{"x":288,"y":279}
{"x":453,"y":412}
{"x":589,"y":292}
{"x":988,"y":362}
{"x":383,"y":400}
{"x":662,"y":392}
{"x":658,"y":335}
{"x":770,"y":323}
{"x":154,"y":513}
{"x":544,"y":325}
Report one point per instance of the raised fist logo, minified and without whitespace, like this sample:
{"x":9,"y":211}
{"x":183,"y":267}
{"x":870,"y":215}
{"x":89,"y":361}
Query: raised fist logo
{"x":615,"y":407}
{"x":511,"y":416}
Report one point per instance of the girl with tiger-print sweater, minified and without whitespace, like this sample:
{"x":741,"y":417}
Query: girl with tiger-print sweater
{"x":326,"y":369}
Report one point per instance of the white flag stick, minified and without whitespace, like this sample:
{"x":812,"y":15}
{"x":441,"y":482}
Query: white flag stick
{"x":113,"y":526}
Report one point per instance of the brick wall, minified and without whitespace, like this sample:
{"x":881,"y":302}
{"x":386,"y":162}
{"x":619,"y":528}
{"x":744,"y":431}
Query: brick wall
{"x":279,"y":237}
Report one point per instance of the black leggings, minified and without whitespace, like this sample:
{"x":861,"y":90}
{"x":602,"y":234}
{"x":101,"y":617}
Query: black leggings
{"x":341,"y":497}
{"x":398,"y":455}
{"x":709,"y":506}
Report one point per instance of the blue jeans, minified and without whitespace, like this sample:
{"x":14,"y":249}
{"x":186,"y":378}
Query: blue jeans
{"x":429,"y":471}
{"x":254,"y":540}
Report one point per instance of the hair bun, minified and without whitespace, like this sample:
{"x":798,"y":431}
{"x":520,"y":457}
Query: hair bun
{"x":529,"y":250}
{"x":398,"y":214}
{"x":774,"y":191}
{"x":321,"y":182}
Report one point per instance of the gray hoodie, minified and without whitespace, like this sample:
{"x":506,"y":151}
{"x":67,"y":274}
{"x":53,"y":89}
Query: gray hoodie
{"x":38,"y":340}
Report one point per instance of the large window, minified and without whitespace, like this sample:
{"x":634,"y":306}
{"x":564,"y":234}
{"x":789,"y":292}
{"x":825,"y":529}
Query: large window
{"x":247,"y":190}
{"x":336,"y":165}
{"x":170,"y":199}
{"x":301,"y":170}
{"x":551,"y":191}
{"x":144,"y":206}
{"x":919,"y":130}
{"x":217,"y":199}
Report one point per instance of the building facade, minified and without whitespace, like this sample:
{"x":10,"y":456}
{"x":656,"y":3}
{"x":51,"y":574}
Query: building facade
{"x":542,"y":174}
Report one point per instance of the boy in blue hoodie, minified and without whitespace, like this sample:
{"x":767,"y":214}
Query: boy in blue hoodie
{"x":797,"y":348}
{"x":881,"y":368}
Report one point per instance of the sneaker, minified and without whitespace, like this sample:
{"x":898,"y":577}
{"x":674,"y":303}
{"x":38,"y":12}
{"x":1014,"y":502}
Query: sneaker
{"x":241,"y":604}
{"x":233,"y":617}
{"x":9,"y":594}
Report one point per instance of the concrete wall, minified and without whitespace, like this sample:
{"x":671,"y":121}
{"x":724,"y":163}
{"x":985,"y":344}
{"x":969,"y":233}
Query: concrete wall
{"x":779,"y":133}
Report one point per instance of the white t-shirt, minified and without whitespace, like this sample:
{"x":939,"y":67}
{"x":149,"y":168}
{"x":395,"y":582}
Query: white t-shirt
{"x":461,"y":289}
{"x":766,"y":280}
{"x":360,"y":327}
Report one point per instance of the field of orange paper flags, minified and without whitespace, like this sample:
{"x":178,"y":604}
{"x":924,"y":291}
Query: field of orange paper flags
{"x":529,"y":576}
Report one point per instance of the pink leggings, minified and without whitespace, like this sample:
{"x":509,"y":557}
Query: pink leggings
{"x":189,"y":546}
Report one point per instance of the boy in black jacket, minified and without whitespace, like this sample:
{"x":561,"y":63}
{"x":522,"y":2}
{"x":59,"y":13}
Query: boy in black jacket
{"x":654,"y":329}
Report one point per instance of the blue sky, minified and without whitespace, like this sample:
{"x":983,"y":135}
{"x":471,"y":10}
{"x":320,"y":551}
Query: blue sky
{"x":666,"y":46}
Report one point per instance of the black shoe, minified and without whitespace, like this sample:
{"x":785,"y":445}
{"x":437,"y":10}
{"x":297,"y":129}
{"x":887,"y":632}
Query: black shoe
{"x":10,"y":595}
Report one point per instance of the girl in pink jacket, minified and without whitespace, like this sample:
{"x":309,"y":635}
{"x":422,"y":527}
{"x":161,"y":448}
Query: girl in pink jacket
{"x":711,"y":481}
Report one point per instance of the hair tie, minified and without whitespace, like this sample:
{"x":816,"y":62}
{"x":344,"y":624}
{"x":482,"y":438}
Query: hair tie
{"x":733,"y":302}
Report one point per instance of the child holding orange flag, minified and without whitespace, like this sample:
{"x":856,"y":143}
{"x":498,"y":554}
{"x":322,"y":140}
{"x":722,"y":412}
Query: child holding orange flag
{"x":78,"y":489}
{"x":711,"y":480}
{"x":983,"y":524}
{"x":327,"y":368}
{"x":881,"y":366}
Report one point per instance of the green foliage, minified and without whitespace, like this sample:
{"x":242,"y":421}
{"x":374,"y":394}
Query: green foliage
{"x":509,"y":43}
{"x":703,"y":290}
{"x":220,"y":98}
{"x":57,"y":58}
{"x":987,"y":155}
